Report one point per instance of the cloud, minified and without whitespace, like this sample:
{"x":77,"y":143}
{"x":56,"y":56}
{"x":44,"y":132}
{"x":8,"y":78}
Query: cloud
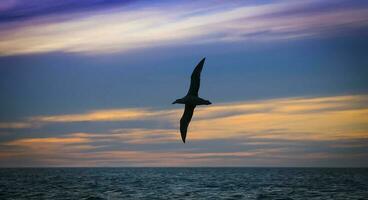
{"x":275,"y":114}
{"x":323,"y":118}
{"x":149,"y":25}
{"x":105,"y":115}
{"x":74,"y":151}
{"x":312,"y":131}
{"x":78,"y":149}
{"x":16,"y":125}
{"x":18,"y":10}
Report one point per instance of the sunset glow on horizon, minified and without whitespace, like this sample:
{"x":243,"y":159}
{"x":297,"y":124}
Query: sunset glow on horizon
{"x":254,"y":129}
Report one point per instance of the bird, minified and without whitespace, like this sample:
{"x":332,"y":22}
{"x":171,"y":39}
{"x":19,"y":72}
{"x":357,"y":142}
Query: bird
{"x":191,"y":100}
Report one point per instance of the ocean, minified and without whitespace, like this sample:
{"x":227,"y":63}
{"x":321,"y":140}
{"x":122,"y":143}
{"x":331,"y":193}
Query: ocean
{"x":184,"y":183}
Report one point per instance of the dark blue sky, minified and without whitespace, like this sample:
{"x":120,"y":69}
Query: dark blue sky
{"x":66,"y":83}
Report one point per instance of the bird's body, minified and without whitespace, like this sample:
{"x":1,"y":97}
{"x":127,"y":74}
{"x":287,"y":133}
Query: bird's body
{"x":191,"y":100}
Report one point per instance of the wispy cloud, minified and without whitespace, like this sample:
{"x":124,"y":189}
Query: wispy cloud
{"x":16,"y":125}
{"x":149,"y":25}
{"x":105,"y":115}
{"x":294,"y":119}
{"x":289,"y":131}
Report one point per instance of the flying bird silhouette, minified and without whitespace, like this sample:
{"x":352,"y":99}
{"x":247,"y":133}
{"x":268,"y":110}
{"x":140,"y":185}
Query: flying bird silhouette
{"x":191,"y":100}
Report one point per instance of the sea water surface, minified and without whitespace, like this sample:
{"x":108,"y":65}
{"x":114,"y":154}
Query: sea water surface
{"x":184,"y":183}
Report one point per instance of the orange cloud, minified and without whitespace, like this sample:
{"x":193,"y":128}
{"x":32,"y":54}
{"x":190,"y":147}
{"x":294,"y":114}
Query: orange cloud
{"x":104,"y":115}
{"x":17,"y":125}
{"x":132,"y":136}
{"x":324,"y":118}
{"x":50,"y":144}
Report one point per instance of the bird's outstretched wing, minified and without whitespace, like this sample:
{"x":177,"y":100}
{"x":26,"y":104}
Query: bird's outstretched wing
{"x":196,"y":79}
{"x":185,"y":119}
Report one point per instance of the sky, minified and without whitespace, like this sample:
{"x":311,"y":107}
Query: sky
{"x":90,"y":83}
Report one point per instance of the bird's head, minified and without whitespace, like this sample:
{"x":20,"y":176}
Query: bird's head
{"x":181,"y":101}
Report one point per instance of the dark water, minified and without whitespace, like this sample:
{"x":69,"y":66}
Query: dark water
{"x":183,"y":183}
